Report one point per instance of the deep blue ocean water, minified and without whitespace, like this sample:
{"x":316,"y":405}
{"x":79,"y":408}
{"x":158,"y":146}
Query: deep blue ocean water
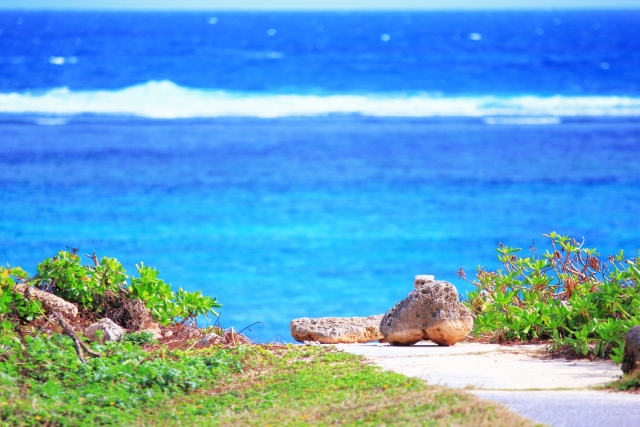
{"x":310,"y":164}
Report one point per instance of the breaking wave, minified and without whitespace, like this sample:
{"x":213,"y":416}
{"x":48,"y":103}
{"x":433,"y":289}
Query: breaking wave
{"x":166,"y":100}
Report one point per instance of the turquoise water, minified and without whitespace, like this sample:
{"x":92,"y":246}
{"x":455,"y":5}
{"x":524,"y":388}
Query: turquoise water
{"x":310,"y":164}
{"x":286,"y":218}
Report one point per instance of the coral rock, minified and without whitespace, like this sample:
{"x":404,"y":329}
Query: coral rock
{"x":423,"y":279}
{"x":631,"y":358}
{"x":110,"y":331}
{"x":334,"y":330}
{"x":210,"y":339}
{"x":153,"y":329}
{"x":430,"y":312}
{"x":49,"y":301}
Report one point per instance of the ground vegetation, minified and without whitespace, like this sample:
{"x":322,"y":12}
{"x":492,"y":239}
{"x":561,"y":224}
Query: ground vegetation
{"x":569,"y":296}
{"x":50,"y":374}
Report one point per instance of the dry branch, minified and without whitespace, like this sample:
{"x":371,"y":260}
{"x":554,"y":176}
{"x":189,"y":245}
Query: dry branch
{"x":79,"y":345}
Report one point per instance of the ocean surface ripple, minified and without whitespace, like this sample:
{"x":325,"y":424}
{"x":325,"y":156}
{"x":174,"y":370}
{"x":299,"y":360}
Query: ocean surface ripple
{"x":310,"y":164}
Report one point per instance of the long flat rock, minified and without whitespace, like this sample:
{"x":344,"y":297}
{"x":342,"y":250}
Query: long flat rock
{"x":556,"y":392}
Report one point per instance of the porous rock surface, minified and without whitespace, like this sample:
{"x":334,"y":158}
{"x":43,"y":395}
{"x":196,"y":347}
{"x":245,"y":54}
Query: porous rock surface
{"x":49,"y":301}
{"x":422,"y":279}
{"x":228,"y":337}
{"x":335,"y":330}
{"x":153,"y":329}
{"x":110,"y":331}
{"x":210,"y":339}
{"x":631,"y":358}
{"x":430,"y":312}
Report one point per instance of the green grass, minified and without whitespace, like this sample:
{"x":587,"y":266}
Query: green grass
{"x":630,"y":381}
{"x":42,"y":383}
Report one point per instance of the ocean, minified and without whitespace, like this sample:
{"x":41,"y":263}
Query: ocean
{"x":310,"y":164}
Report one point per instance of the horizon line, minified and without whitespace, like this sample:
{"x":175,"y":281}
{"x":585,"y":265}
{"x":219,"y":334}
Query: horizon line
{"x":288,"y":9}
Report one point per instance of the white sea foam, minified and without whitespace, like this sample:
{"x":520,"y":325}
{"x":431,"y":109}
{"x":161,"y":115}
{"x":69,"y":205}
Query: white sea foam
{"x":522,"y":120}
{"x":61,"y":60}
{"x":164,"y":99}
{"x":51,"y":121}
{"x":264,"y":55}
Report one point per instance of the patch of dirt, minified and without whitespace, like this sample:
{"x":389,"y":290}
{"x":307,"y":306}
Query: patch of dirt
{"x":180,"y":336}
{"x":131,"y":314}
{"x":493,"y":340}
{"x":549,"y":352}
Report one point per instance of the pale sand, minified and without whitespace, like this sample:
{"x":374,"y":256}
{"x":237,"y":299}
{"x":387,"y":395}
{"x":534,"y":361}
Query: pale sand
{"x":557,"y":392}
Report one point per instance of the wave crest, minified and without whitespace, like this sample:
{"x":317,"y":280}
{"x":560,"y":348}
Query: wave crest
{"x":166,"y":100}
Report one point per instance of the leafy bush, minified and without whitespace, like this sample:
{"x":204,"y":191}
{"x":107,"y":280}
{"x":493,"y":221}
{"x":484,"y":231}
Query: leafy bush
{"x":65,"y":275}
{"x":12,"y":303}
{"x":96,"y":288}
{"x":157,"y":295}
{"x":568,"y":295}
{"x":139,"y":338}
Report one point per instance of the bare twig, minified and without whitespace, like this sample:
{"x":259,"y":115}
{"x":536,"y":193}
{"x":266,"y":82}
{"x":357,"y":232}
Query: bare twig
{"x":68,"y":331}
{"x":247,"y":327}
{"x":79,"y":345}
{"x":462,"y":275}
{"x":43,"y":327}
{"x":94,"y":257}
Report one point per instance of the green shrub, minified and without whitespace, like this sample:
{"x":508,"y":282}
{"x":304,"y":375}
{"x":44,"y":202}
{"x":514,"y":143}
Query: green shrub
{"x":139,"y":338}
{"x":165,"y":305}
{"x":13,"y":305}
{"x":65,"y":275}
{"x":157,"y":295}
{"x":568,"y":296}
{"x":95,"y":287}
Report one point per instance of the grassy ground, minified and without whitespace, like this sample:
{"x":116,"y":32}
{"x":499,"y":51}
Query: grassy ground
{"x":42,"y":383}
{"x":629,"y":382}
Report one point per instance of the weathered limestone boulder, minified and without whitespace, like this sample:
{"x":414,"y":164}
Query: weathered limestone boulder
{"x":335,"y":330}
{"x":430,"y":312}
{"x":227,"y":337}
{"x":110,"y":331}
{"x":49,"y":301}
{"x":631,"y":358}
{"x":153,"y":329}
{"x":211,"y":339}
{"x":422,"y":279}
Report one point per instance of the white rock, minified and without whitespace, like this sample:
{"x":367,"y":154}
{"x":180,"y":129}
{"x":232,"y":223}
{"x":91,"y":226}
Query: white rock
{"x":210,"y":339}
{"x":430,"y":312}
{"x":110,"y":331}
{"x":334,"y":330}
{"x":423,"y":279}
{"x":153,"y":329}
{"x":49,"y":301}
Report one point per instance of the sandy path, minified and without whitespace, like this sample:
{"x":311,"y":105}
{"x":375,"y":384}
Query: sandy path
{"x":552,"y":391}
